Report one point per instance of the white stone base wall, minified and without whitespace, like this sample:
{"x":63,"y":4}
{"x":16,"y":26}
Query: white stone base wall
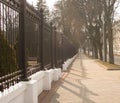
{"x":68,"y":62}
{"x":28,"y":92}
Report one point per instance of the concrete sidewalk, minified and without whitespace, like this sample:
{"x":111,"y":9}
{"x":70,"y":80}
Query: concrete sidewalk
{"x":84,"y":82}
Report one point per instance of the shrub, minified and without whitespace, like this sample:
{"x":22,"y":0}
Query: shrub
{"x":8,"y":58}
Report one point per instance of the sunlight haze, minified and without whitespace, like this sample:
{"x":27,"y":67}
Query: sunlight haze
{"x":50,"y":3}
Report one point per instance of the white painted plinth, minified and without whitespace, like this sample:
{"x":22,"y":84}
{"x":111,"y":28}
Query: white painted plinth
{"x":28,"y":92}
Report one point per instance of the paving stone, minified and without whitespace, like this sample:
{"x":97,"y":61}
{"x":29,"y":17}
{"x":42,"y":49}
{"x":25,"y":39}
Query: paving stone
{"x":85,"y":82}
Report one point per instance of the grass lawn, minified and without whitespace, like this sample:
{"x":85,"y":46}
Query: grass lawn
{"x":108,"y":66}
{"x":32,"y":63}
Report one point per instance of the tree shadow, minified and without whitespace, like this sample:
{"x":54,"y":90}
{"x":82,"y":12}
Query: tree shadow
{"x":66,"y":83}
{"x":83,"y":94}
{"x":80,"y":68}
{"x":55,"y":100}
{"x":83,"y":70}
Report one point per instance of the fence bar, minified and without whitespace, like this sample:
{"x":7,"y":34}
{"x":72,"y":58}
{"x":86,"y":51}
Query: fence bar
{"x":52,"y":62}
{"x":55,"y":46}
{"x":22,"y":54}
{"x":41,"y":33}
{"x":22,"y":43}
{"x":62,"y":50}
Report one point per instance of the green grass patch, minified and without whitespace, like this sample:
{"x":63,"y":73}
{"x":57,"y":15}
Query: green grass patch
{"x":108,"y":66}
{"x":32,"y":63}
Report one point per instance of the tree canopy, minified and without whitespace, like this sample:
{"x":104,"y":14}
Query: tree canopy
{"x":81,"y":20}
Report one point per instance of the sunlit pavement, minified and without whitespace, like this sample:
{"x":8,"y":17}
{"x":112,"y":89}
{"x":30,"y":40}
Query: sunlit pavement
{"x":85,"y":82}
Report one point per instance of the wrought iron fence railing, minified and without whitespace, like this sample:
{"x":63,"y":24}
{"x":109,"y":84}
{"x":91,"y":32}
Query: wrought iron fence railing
{"x":27,"y":43}
{"x":10,"y":79}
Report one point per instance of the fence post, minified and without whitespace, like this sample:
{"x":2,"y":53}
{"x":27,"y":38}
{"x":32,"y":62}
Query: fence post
{"x":52,"y":62}
{"x":55,"y":47}
{"x":22,"y":54}
{"x":62,"y":51}
{"x":41,"y":33}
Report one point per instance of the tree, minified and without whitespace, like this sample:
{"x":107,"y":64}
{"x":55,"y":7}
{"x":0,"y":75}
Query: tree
{"x":108,"y":6}
{"x":8,"y":40}
{"x":85,"y":18}
{"x":8,"y":59}
{"x":42,"y":5}
{"x":67,"y":22}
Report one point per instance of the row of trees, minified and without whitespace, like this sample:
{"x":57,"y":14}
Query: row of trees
{"x":60,"y":19}
{"x":88,"y":19}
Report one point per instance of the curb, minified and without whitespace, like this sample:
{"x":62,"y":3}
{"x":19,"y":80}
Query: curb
{"x":107,"y":68}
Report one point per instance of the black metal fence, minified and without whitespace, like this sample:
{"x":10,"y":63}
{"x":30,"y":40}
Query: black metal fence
{"x":27,"y":43}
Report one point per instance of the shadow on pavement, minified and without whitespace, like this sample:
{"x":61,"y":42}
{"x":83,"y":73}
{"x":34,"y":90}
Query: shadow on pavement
{"x":71,"y":82}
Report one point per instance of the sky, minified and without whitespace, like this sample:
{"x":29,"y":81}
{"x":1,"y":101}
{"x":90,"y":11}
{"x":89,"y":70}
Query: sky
{"x":50,"y":3}
{"x":117,"y":13}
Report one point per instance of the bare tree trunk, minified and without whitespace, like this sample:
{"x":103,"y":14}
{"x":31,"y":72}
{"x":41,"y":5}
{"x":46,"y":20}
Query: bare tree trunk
{"x":100,"y":52}
{"x":84,"y":50}
{"x":104,"y":43}
{"x":96,"y":51}
{"x":110,"y":41}
{"x":108,"y":10}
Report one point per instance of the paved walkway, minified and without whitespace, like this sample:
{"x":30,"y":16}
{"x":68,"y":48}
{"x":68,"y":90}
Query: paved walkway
{"x":85,"y":82}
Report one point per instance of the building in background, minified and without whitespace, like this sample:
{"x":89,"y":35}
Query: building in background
{"x":116,"y":37}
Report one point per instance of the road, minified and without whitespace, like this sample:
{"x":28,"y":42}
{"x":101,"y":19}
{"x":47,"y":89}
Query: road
{"x":117,"y":60}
